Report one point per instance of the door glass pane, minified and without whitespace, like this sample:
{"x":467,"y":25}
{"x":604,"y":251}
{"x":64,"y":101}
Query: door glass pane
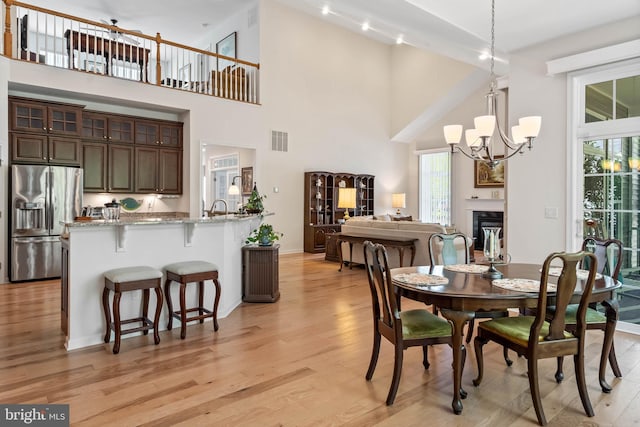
{"x":611,"y":201}
{"x":627,"y":95}
{"x":599,"y":102}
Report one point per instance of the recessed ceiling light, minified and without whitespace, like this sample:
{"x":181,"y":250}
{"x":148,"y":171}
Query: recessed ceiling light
{"x":325,"y":10}
{"x":400,"y":39}
{"x":365,"y":26}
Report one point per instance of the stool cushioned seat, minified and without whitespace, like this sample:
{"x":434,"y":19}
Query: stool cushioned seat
{"x":191,"y":267}
{"x":128,"y":274}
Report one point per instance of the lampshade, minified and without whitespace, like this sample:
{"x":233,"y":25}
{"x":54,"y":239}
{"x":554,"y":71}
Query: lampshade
{"x":347,"y":198}
{"x":398,"y":200}
{"x":233,"y":189}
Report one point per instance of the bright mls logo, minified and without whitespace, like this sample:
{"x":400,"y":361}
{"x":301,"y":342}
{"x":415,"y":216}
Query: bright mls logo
{"x":34,"y":415}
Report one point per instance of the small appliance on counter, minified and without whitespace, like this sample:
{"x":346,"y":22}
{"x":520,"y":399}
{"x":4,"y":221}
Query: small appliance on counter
{"x":111,"y":210}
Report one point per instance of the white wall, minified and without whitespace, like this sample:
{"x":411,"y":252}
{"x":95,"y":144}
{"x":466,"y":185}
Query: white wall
{"x":539,"y":178}
{"x":329,"y":89}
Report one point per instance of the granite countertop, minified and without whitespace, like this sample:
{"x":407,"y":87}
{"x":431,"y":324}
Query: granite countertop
{"x":149,"y":220}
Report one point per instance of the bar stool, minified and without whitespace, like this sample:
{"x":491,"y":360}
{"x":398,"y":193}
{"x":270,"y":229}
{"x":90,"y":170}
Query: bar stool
{"x":190,"y":272}
{"x":130,"y":279}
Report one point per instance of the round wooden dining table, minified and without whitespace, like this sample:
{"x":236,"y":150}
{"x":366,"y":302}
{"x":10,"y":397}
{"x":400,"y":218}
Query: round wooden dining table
{"x":466,"y":292}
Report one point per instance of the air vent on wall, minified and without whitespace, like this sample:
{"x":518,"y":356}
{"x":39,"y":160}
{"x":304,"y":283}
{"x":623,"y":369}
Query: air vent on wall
{"x":279,"y":141}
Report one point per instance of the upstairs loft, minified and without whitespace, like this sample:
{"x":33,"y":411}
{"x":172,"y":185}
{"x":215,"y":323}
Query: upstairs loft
{"x":55,"y":39}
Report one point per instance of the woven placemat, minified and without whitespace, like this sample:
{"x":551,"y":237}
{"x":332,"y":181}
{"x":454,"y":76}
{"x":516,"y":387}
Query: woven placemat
{"x":467,"y":268}
{"x":419,"y":279}
{"x":522,"y":285}
{"x":581,"y":274}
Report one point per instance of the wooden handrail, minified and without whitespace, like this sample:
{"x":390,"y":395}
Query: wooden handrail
{"x":8,"y":38}
{"x":84,"y":21}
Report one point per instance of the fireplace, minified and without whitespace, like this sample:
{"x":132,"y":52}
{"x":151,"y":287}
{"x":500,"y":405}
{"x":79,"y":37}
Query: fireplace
{"x":485,"y":219}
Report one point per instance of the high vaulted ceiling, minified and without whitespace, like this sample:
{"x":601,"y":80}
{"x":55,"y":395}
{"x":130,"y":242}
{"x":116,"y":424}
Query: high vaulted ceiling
{"x":456,"y":28}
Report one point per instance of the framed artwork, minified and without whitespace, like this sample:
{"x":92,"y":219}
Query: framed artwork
{"x":226,"y":47}
{"x":485,"y":177}
{"x":247,"y":181}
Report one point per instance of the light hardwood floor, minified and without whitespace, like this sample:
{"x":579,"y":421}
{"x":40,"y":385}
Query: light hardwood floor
{"x":298,"y":362}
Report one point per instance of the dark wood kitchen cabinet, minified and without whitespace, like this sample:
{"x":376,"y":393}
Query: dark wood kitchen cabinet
{"x":158,"y":170}
{"x":35,"y":116}
{"x":33,"y":148}
{"x":107,"y":127}
{"x":107,"y":167}
{"x":157,"y":132}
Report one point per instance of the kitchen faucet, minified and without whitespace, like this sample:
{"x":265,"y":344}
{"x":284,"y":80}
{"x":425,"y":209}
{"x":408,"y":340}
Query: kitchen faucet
{"x":226,"y":209}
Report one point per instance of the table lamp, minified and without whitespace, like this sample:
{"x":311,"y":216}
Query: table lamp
{"x":398,"y":200}
{"x":347,"y":200}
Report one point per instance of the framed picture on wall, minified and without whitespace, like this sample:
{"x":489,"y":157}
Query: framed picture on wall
{"x":226,"y":47}
{"x":485,"y":177}
{"x":247,"y":181}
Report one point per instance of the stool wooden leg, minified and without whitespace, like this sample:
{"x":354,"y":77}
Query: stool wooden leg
{"x":116,"y":321}
{"x":183,"y":311}
{"x":201,"y":299}
{"x":156,"y":319}
{"x":107,"y":314}
{"x":167,"y":295}
{"x":215,"y":305}
{"x":145,"y":307}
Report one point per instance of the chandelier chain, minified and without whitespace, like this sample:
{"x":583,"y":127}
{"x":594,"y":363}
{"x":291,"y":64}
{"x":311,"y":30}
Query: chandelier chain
{"x":493,"y":43}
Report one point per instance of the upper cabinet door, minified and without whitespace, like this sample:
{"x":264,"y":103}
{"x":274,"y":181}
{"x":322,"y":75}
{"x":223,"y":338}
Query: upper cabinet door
{"x":63,"y":120}
{"x":121,"y":129}
{"x":94,"y":126}
{"x":171,"y":135}
{"x":45,"y":118}
{"x":147,"y":132}
{"x":28,"y":117}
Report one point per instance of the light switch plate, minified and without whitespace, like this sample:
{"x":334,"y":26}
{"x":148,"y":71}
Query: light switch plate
{"x":550,"y":212}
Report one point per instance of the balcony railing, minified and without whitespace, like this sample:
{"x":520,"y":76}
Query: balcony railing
{"x":55,"y":39}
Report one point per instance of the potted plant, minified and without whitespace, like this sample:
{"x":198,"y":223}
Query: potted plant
{"x":264,"y":235}
{"x":254,"y":204}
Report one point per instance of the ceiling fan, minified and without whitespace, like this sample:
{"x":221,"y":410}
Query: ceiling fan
{"x":115,"y":34}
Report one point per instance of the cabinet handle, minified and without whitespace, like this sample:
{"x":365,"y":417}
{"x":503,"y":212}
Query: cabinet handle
{"x":105,"y":137}
{"x":44,"y":129}
{"x":50,"y":129}
{"x":44,"y":158}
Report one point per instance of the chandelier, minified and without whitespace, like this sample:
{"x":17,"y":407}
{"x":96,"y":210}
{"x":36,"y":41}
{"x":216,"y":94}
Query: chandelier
{"x":479,"y":139}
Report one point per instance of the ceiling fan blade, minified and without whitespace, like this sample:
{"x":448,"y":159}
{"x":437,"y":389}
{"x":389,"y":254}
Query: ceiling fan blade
{"x":128,"y":39}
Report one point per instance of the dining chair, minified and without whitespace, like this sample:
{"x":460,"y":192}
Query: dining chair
{"x":449,"y":255}
{"x":608,"y":253}
{"x":536,"y":338}
{"x":404,"y":329}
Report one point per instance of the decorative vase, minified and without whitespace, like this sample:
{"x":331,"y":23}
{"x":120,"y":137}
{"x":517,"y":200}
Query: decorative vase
{"x":492,"y":250}
{"x":265,"y":241}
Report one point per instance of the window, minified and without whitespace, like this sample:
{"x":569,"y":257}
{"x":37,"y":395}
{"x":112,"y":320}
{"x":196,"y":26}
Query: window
{"x":606,"y":156}
{"x":435,"y":187}
{"x":222,"y":171}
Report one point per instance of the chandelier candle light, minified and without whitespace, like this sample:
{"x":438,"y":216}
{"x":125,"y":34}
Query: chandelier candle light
{"x":479,"y":139}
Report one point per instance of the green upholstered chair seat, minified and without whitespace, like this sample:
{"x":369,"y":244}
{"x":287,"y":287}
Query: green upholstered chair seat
{"x":592,"y":316}
{"x":417,"y":324}
{"x":517,"y":329}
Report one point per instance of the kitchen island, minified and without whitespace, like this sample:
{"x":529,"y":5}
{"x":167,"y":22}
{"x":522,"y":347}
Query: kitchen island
{"x":93,"y":247}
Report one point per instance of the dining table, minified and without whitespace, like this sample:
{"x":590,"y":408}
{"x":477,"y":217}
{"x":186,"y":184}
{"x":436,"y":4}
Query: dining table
{"x":460,"y":290}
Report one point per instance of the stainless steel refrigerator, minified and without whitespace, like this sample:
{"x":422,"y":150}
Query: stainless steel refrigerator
{"x":41,"y":197}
